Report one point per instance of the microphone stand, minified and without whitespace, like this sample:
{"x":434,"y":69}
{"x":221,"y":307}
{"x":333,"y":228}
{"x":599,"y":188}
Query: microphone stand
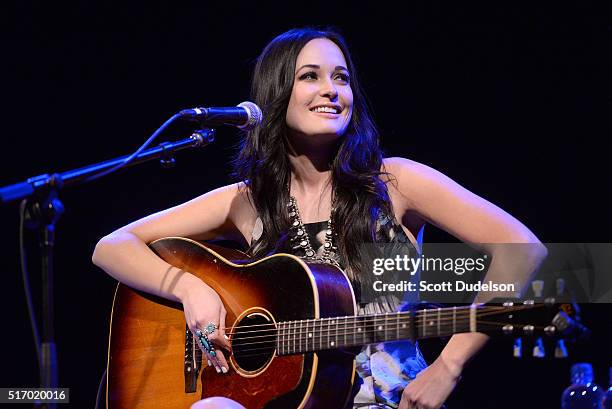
{"x":43,"y":209}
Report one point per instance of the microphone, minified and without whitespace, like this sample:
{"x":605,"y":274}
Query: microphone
{"x":245,"y":116}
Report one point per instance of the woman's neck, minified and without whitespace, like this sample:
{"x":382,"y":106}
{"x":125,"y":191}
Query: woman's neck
{"x":310,"y":166}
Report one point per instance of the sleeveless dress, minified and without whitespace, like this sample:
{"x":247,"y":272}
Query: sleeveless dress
{"x":384,"y":369}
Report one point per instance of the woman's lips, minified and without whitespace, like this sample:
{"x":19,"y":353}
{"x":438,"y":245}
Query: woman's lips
{"x":325,"y":114}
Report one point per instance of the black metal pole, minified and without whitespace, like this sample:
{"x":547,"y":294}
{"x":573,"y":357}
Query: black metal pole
{"x":163,"y":150}
{"x":48,"y":350}
{"x":43,"y":210}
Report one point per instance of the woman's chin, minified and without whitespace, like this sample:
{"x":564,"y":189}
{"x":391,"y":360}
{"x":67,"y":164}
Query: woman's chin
{"x":324,"y":137}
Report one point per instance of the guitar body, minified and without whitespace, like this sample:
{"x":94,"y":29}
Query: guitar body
{"x":153,"y":362}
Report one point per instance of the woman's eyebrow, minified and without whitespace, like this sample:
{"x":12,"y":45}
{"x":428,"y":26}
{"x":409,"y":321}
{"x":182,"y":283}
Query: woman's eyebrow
{"x":315,"y":66}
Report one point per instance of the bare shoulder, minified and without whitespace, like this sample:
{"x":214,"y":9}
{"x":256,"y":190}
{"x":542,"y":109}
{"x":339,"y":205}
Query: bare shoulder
{"x":422,"y":190}
{"x":407,"y":180}
{"x":220,"y":213}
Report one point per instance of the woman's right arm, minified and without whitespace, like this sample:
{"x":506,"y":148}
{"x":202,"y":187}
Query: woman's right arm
{"x":124,"y":254}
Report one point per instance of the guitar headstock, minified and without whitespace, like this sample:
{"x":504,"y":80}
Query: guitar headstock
{"x":535,"y":324}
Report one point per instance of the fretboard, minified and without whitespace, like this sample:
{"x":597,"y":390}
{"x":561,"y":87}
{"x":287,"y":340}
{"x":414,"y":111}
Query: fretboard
{"x":294,"y":337}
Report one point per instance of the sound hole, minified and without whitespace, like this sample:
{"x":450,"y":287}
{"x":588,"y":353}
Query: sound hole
{"x":254,"y":341}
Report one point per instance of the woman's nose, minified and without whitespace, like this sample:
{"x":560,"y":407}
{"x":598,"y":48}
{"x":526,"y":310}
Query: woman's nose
{"x":328,"y":89}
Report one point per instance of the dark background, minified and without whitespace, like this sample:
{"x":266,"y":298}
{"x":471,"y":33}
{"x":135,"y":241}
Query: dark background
{"x":509,"y":100}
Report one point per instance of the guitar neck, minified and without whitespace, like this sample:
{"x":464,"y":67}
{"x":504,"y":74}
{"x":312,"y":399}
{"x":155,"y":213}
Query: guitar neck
{"x":295,"y":337}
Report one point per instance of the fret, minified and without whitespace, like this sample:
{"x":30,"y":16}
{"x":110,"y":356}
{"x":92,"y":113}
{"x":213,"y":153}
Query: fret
{"x":288,"y":337}
{"x":279,"y":339}
{"x":328,"y":330}
{"x":306,"y":338}
{"x":285,"y":346}
{"x":406,"y":321}
{"x":354,"y":330}
{"x":359,"y":330}
{"x":335,"y":341}
{"x":320,"y":333}
{"x":386,"y":326}
{"x":293,"y":336}
{"x":300,"y":337}
{"x":344,"y":329}
{"x":397,"y":326}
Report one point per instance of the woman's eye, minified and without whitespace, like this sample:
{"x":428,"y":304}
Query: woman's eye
{"x":342,"y":77}
{"x":309,"y":76}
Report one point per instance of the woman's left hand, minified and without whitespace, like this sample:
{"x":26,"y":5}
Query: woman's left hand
{"x":431,"y":387}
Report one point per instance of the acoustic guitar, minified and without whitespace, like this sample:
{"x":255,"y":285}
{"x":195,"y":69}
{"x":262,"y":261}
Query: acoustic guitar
{"x":292,"y":326}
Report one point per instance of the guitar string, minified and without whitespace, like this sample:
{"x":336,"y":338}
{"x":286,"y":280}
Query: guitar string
{"x":340,"y":329}
{"x":294,"y":336}
{"x":323,"y":333}
{"x":445,"y":313}
{"x":372,"y":320}
{"x":299,"y":345}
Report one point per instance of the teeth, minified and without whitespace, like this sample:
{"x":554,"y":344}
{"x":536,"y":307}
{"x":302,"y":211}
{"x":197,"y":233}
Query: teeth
{"x":326,"y":109}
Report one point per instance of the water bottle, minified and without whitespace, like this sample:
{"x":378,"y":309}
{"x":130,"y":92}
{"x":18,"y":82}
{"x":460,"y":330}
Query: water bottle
{"x":607,"y":399}
{"x":583,"y":393}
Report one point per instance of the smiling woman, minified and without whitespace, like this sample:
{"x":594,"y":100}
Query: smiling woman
{"x":312,"y":182}
{"x":322,"y":99}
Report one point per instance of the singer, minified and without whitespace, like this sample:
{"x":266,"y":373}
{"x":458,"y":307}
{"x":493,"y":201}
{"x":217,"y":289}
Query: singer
{"x":315,"y":162}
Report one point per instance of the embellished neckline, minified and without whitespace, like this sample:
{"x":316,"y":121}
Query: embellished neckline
{"x":313,"y":223}
{"x":301,"y":241}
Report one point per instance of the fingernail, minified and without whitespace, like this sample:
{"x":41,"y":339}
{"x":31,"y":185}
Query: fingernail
{"x":218,"y":370}
{"x":226,"y":337}
{"x":209,"y":363}
{"x":224,"y":369}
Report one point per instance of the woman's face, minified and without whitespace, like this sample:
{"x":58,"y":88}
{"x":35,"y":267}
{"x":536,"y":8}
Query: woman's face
{"x":321,"y":101}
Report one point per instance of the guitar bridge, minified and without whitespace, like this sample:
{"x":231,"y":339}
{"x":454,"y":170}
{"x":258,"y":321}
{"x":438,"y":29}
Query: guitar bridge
{"x":193,"y":362}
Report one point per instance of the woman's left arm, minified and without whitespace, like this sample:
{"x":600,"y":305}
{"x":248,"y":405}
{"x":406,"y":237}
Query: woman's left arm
{"x":446,"y":204}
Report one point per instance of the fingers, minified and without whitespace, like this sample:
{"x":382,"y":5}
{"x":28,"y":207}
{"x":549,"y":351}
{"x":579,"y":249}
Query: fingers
{"x":209,"y":337}
{"x":215,"y":357}
{"x":223,"y":339}
{"x":218,"y":361}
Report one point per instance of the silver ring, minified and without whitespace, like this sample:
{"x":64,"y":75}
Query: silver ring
{"x":210,"y":328}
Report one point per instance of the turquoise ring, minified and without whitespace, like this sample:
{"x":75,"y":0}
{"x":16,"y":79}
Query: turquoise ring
{"x":206,"y":344}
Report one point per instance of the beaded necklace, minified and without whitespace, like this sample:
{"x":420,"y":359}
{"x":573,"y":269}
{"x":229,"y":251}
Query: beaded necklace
{"x":300,"y":239}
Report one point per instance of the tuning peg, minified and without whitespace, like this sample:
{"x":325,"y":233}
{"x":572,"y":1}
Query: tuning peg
{"x":518,"y":348}
{"x":560,"y":349}
{"x":538,"y":349}
{"x":537,"y":286}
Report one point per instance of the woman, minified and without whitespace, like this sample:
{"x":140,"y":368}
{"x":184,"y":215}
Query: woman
{"x":316,"y":161}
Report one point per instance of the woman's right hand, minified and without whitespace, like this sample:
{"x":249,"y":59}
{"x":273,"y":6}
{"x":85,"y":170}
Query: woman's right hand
{"x":202,"y":305}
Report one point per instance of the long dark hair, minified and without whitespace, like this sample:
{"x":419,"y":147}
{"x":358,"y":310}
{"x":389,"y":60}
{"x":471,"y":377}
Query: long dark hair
{"x":359,"y":193}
